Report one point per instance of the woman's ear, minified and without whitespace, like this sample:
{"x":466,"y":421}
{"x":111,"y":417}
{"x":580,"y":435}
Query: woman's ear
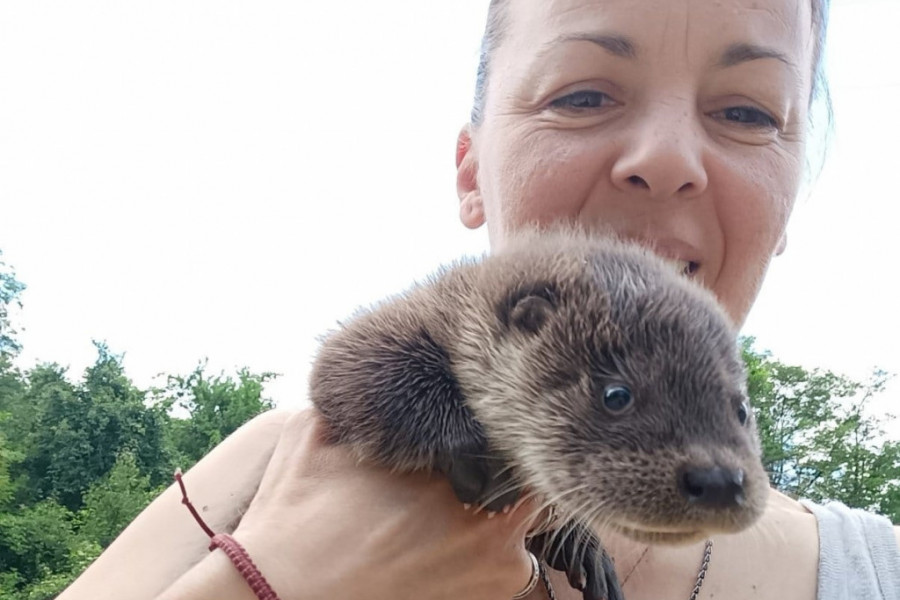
{"x":471,"y":207}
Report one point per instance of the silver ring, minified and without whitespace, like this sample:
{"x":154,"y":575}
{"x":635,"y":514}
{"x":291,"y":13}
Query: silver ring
{"x":532,"y":583}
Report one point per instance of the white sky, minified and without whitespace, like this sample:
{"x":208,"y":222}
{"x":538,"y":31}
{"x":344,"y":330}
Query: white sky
{"x":226,"y":179}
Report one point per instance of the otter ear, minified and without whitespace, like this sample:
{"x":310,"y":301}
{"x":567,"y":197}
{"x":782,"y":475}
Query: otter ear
{"x":530,"y":313}
{"x":528,"y":308}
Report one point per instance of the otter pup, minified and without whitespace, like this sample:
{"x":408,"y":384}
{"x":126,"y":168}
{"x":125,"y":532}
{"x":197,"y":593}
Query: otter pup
{"x":584,"y":370}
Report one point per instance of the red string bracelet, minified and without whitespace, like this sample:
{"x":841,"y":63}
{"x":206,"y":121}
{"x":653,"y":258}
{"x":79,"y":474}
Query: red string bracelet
{"x":232,"y":549}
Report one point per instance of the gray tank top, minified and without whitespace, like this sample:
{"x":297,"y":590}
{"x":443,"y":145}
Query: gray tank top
{"x":859,"y":558}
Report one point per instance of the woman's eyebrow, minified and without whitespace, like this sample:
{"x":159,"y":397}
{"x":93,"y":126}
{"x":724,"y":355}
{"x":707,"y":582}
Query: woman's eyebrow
{"x":623,"y":47}
{"x":617,"y":45}
{"x":736,"y":54}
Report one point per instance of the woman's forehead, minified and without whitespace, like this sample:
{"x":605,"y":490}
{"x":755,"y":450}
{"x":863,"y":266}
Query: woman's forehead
{"x":702,"y":29}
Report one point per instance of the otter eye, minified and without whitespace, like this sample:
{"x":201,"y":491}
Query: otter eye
{"x":617,"y":398}
{"x":743,"y":413}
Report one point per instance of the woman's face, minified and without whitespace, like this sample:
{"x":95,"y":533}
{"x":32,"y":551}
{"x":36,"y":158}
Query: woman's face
{"x":680,"y":123}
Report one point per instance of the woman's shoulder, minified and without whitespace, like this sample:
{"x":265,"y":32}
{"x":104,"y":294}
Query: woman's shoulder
{"x":262,"y":431}
{"x":244,"y":456}
{"x":268,"y":423}
{"x":859,"y":553}
{"x":776,"y":558}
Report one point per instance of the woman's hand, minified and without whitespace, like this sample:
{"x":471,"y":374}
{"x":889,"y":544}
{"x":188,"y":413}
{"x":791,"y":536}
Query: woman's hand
{"x":321,"y":526}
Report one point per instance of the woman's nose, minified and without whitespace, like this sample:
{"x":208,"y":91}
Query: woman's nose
{"x":662,"y":156}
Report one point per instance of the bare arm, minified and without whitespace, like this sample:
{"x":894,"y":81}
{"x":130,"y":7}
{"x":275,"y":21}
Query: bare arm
{"x":213,"y":578}
{"x":322,"y":527}
{"x":164,"y":541}
{"x":319,"y":526}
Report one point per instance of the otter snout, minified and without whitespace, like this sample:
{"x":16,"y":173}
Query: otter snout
{"x":715,"y":487}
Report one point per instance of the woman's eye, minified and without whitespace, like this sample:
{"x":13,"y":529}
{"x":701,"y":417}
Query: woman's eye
{"x":583,"y":100}
{"x":752,"y":117}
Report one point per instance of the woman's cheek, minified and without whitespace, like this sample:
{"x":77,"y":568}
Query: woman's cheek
{"x":753,"y":209}
{"x":545,"y":180}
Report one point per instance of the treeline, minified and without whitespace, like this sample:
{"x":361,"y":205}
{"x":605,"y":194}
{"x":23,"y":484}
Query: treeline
{"x":79,"y":460}
{"x":81,"y":457}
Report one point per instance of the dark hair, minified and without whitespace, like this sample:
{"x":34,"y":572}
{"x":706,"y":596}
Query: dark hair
{"x":497,"y":20}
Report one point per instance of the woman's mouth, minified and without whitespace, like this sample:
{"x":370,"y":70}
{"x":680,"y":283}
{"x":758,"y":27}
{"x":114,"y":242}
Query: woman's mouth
{"x":682,"y":256}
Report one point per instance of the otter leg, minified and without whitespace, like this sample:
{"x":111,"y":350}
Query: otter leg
{"x":390,"y":392}
{"x":575,"y":550}
{"x":479,"y":477}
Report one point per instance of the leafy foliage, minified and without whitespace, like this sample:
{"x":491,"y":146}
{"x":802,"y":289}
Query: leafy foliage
{"x":819,"y":440}
{"x":72,"y":433}
{"x":216,"y":407}
{"x":10,"y":297}
{"x":79,"y":460}
{"x":36,"y":540}
{"x":112,"y":502}
{"x":8,"y":459}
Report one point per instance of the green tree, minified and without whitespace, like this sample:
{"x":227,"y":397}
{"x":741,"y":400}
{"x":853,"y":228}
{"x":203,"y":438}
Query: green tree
{"x":818,"y":439}
{"x":855,"y":462}
{"x":39,"y":431}
{"x":35,"y":541}
{"x":12,"y":386}
{"x":9,"y":458}
{"x":77,"y":431}
{"x":112,"y":502}
{"x":50,"y":583}
{"x":125,"y":419}
{"x":216,"y":406}
{"x":10,"y":298}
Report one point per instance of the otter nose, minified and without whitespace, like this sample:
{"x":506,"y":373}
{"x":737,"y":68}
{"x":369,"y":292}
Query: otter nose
{"x":713,"y":488}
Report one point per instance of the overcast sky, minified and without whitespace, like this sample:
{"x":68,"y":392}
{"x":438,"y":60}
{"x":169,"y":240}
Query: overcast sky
{"x":226,"y":179}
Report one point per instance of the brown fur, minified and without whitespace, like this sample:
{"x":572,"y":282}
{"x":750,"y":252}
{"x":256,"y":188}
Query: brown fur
{"x":512,"y":354}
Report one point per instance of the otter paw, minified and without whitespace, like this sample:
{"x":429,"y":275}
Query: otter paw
{"x":479,"y":479}
{"x":575,"y":550}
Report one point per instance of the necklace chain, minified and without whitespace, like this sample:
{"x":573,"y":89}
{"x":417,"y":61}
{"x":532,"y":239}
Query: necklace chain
{"x":546,"y":581}
{"x":701,"y":575}
{"x":704,"y":566}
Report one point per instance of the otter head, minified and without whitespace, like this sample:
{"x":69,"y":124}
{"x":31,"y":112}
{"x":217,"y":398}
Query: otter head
{"x":620,"y":392}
